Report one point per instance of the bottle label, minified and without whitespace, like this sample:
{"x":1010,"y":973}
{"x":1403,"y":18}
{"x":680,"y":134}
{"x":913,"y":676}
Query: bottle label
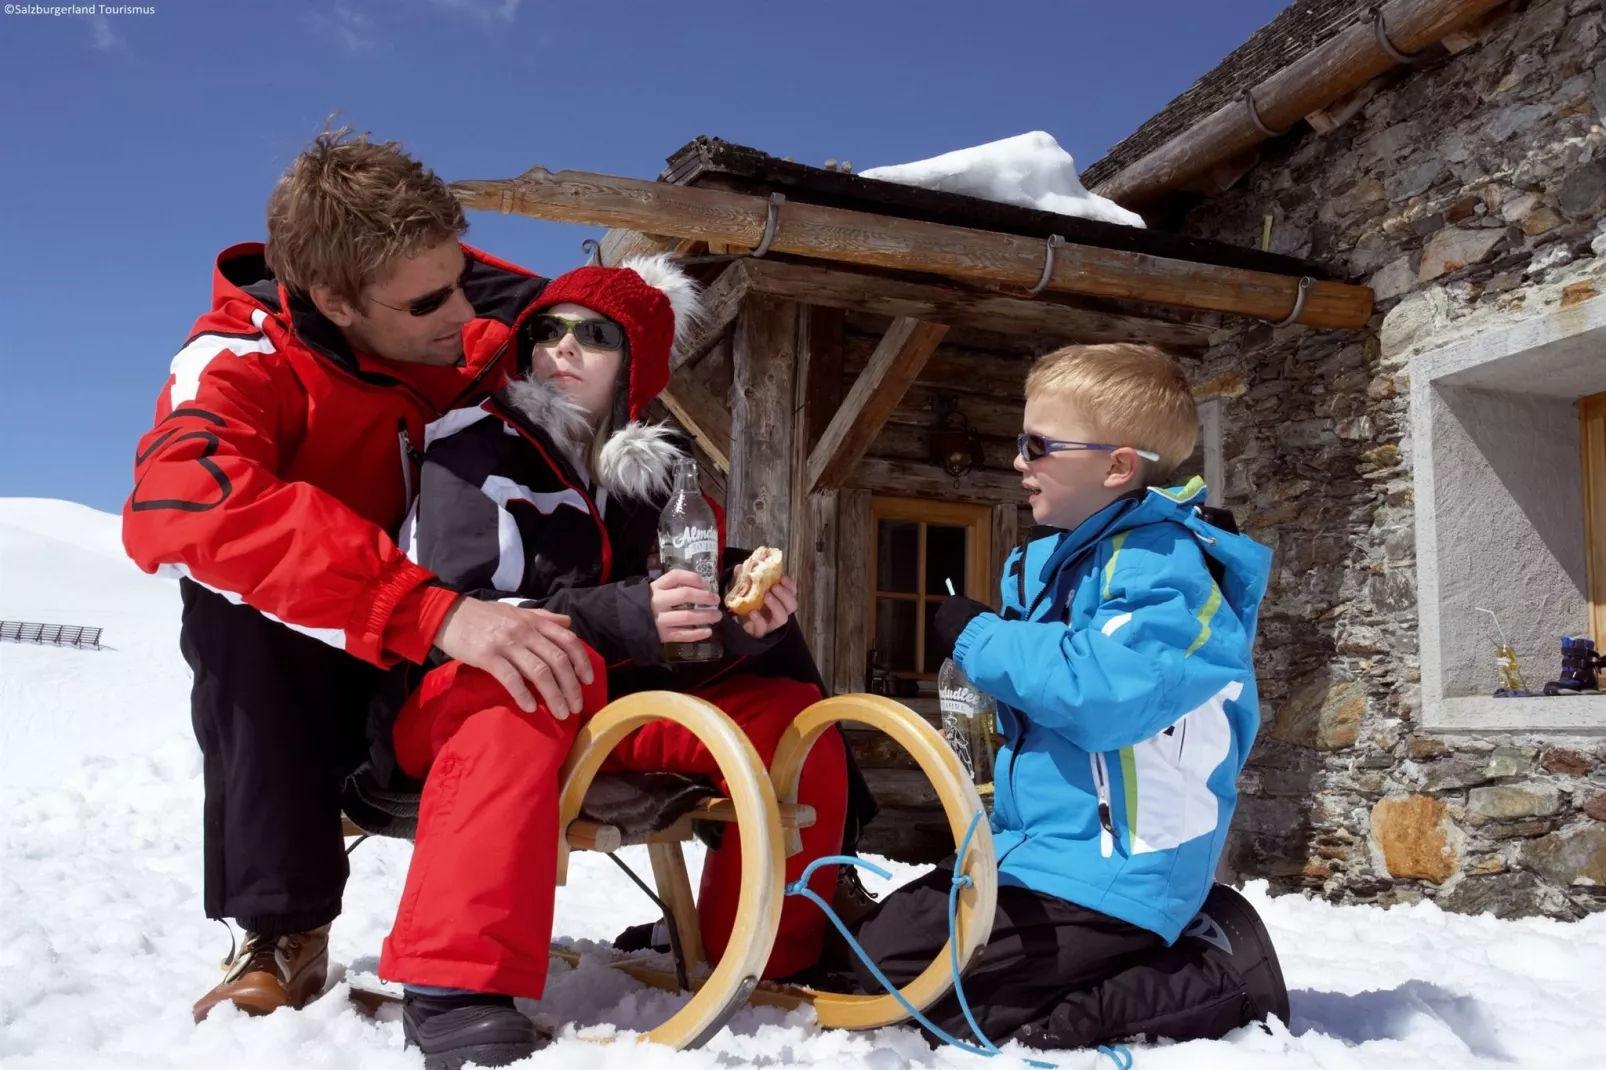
{"x":692,"y":542}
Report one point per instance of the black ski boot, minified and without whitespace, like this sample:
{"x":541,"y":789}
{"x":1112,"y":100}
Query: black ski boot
{"x":476,"y":1027}
{"x":648,"y":936}
{"x":1578,"y":668}
{"x":1230,"y":925}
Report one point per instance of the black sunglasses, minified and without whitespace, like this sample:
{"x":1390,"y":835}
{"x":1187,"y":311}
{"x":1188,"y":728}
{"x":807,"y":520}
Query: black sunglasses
{"x":594,"y":334}
{"x":433,"y":300}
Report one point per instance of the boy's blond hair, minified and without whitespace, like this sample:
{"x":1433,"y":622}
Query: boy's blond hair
{"x":1134,"y":395}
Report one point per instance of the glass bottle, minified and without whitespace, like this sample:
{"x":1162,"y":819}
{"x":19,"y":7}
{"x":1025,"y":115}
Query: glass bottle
{"x":688,"y":538}
{"x":968,"y":716}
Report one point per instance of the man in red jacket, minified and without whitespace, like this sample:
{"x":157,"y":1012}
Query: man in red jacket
{"x":281,"y":464}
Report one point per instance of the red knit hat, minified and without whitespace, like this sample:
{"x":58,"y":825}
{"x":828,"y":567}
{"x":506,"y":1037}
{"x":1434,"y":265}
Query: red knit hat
{"x":651,"y":298}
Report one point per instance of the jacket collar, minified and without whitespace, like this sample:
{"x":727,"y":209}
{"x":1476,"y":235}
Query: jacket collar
{"x":637,"y":462}
{"x":1244,"y":565}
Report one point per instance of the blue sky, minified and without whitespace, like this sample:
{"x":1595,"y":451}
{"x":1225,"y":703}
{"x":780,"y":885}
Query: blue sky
{"x":139,"y":145}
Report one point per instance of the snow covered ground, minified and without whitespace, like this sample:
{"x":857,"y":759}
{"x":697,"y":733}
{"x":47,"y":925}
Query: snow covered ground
{"x":1030,"y":170}
{"x":103,"y":944}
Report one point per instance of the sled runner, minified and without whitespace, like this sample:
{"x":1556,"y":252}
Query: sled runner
{"x":604,"y":811}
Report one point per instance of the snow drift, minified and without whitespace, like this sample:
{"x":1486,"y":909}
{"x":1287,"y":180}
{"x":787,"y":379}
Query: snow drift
{"x":103,"y":945}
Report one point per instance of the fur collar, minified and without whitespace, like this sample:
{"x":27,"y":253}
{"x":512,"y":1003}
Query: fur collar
{"x":638,"y":460}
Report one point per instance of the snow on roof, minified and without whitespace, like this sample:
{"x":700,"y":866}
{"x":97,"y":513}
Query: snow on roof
{"x":1030,"y":170}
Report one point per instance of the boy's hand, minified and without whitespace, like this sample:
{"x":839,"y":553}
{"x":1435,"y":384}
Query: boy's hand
{"x":683,"y":607}
{"x":780,"y":602}
{"x":952,"y":617}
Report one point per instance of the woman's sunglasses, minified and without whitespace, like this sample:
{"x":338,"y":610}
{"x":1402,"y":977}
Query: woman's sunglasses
{"x":594,"y":334}
{"x":1034,"y":447}
{"x":433,"y":300}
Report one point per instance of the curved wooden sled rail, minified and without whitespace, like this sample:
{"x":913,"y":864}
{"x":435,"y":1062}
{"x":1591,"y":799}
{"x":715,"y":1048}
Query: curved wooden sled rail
{"x":763,"y":864}
{"x":960,"y":803}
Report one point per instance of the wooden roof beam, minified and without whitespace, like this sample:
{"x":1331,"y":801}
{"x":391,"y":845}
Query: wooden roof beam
{"x":722,"y":300}
{"x":702,"y":415}
{"x":825,"y":233}
{"x":956,"y":306}
{"x":1309,"y":84}
{"x":896,"y":363}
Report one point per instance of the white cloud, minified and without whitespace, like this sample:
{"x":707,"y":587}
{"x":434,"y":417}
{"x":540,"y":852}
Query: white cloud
{"x":101,"y":35}
{"x":347,"y":27}
{"x":487,"y":11}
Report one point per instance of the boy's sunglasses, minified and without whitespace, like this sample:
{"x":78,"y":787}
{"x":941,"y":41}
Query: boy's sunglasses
{"x":430,"y":302}
{"x":1034,"y":447}
{"x":594,"y":334}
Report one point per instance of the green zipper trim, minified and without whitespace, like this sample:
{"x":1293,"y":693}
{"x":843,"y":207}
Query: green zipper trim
{"x":1183,"y":493}
{"x":1212,"y":604}
{"x":1109,"y":569}
{"x":1129,"y":781}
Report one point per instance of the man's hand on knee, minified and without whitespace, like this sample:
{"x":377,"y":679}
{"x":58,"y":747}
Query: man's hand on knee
{"x":518,"y":645}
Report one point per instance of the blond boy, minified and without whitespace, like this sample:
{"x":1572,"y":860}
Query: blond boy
{"x":1127,"y":704}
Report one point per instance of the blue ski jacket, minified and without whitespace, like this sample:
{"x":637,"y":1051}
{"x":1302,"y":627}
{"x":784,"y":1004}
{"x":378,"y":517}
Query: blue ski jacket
{"x":1126,"y":695}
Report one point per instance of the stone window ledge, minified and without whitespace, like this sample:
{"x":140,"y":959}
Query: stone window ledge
{"x":1499,"y":516}
{"x":1583,"y":715}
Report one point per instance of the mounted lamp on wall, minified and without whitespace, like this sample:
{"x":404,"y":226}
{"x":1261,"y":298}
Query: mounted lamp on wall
{"x":958,"y":445}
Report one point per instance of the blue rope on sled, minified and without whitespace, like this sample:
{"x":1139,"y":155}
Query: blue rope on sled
{"x":1119,"y":1055}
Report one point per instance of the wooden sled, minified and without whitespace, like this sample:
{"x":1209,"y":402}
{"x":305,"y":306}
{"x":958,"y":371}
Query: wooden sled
{"x":763,"y":804}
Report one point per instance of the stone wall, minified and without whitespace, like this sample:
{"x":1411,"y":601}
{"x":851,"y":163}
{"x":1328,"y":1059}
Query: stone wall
{"x":1470,"y":188}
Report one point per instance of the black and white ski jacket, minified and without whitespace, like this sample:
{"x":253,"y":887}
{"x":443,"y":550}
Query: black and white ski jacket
{"x":508,"y":510}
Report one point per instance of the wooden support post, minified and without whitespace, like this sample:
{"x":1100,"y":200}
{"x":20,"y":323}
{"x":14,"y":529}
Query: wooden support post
{"x":817,"y":611}
{"x":855,"y":543}
{"x":674,"y":888}
{"x":701,"y":414}
{"x":812,"y":555}
{"x":1005,"y":537}
{"x":758,"y":494}
{"x":895,"y":364}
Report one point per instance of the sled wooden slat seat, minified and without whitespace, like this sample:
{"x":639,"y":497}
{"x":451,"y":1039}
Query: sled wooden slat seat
{"x":585,"y":834}
{"x":763,"y":804}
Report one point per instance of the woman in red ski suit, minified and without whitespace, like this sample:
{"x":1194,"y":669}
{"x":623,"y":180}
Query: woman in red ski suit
{"x":550,"y":492}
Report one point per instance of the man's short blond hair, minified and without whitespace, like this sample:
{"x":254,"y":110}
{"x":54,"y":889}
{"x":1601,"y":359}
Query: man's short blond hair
{"x":348,"y":210}
{"x":1133,"y":395}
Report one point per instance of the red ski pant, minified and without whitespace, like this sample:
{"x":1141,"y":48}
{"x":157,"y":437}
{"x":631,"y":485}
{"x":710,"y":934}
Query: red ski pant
{"x":476,"y":912}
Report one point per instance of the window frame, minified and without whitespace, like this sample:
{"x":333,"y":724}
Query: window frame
{"x":1592,"y":441}
{"x":1539,"y":339}
{"x":976,"y":518}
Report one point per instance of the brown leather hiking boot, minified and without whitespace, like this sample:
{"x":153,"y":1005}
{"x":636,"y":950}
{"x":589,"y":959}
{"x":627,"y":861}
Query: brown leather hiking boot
{"x":269,"y":972}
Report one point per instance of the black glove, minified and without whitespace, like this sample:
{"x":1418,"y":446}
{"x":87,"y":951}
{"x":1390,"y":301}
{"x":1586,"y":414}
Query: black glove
{"x":952,"y":616}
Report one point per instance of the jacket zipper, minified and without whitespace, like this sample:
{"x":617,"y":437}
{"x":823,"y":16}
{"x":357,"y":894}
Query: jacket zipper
{"x":1101,"y":780}
{"x":406,"y":445}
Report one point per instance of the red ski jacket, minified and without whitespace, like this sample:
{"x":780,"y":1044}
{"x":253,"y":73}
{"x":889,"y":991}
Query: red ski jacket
{"x":281,"y":462}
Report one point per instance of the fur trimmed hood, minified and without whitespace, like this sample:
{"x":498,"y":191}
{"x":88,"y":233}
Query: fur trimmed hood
{"x":638,"y":460}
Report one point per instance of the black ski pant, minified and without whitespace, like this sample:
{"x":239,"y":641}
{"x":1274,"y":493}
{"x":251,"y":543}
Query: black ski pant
{"x":281,"y":718}
{"x":1054,"y":974}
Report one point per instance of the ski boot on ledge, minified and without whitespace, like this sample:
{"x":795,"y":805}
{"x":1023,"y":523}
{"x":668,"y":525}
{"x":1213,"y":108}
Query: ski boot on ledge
{"x":1579,"y":668}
